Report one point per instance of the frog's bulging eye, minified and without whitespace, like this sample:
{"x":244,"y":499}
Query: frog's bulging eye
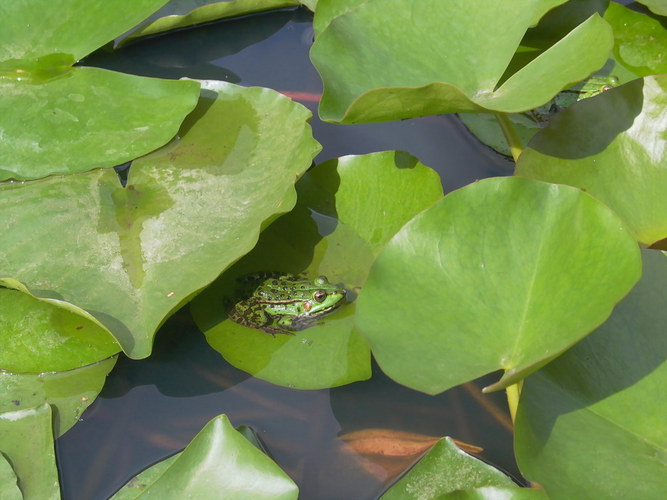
{"x":319,"y":296}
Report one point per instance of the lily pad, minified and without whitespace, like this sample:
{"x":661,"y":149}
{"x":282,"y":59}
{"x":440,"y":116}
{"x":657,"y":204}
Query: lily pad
{"x":87,"y":118}
{"x":132,"y":255}
{"x":493,"y":277}
{"x":657,"y":6}
{"x":77,"y":119}
{"x":352,"y":49}
{"x":444,"y":469}
{"x":218,"y":463}
{"x":612,"y":146}
{"x":27,"y":442}
{"x":186,"y":13}
{"x":591,"y":424}
{"x":32,"y":29}
{"x":640,"y":39}
{"x":40,"y":335}
{"x":496,"y":493}
{"x":68,"y":392}
{"x":9,"y":490}
{"x":339,"y":214}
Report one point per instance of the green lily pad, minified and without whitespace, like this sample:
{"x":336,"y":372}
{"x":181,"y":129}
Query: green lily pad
{"x":40,"y":335}
{"x":493,"y":277}
{"x":495,"y":493}
{"x":27,"y":442}
{"x":185,"y":13}
{"x":657,"y":6}
{"x":9,"y":490}
{"x":86,"y":119}
{"x":613,"y":146}
{"x":31,"y":29}
{"x":218,"y":463}
{"x":58,"y":119}
{"x":352,"y":50}
{"x":340,"y":214}
{"x":68,"y":392}
{"x":591,"y":424}
{"x":132,"y":255}
{"x":640,"y":40}
{"x":444,"y":469}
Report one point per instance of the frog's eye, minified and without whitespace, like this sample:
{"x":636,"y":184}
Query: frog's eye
{"x":319,"y":296}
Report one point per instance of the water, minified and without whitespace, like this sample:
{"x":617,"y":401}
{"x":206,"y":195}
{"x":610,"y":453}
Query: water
{"x":152,"y":408}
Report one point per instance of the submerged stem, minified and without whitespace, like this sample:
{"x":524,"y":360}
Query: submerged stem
{"x":510,"y":134}
{"x":513,"y":392}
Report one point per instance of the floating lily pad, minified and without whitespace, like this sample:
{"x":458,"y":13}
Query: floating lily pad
{"x":9,"y":490}
{"x":444,"y":469}
{"x":85,"y":119}
{"x":591,"y":424}
{"x":68,"y":392}
{"x":218,"y":463}
{"x":339,"y":214}
{"x":639,"y":39}
{"x":58,"y":119}
{"x":41,"y":335}
{"x":132,"y":255}
{"x":186,"y":13}
{"x":27,"y":442}
{"x":613,"y":147}
{"x":352,"y":49}
{"x":494,"y":277}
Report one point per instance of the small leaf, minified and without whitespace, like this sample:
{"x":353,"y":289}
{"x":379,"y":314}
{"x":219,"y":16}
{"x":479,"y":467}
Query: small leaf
{"x":44,"y":335}
{"x":493,"y":277}
{"x":27,"y":442}
{"x":183,"y":15}
{"x":9,"y":490}
{"x":591,"y":424}
{"x":218,"y":463}
{"x":68,"y":392}
{"x":444,"y":469}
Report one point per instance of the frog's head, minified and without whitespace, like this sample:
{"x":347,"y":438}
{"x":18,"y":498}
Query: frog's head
{"x":324,"y":297}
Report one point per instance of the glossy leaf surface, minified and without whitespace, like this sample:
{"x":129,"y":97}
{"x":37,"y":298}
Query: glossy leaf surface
{"x":445,"y":468}
{"x":87,"y":118}
{"x":58,"y":119}
{"x":186,"y":13}
{"x":68,"y":392}
{"x":41,"y":335}
{"x":132,"y":255}
{"x":639,"y":40}
{"x":338,"y":226}
{"x":492,"y":277}
{"x":27,"y":442}
{"x":352,"y":50}
{"x":218,"y":463}
{"x":9,"y":490}
{"x":591,"y":424}
{"x":31,"y":29}
{"x":612,"y":146}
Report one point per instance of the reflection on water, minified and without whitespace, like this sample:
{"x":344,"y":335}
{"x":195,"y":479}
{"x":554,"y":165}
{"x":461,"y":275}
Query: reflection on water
{"x":152,"y":408}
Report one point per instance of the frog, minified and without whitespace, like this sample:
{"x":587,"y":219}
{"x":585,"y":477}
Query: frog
{"x":590,"y":87}
{"x":282,"y":303}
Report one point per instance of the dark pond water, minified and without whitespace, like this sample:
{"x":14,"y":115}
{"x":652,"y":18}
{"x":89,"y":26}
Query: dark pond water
{"x":152,"y":408}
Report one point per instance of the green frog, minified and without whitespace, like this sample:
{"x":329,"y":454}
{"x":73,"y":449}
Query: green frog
{"x":284,"y":303}
{"x":590,"y":87}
